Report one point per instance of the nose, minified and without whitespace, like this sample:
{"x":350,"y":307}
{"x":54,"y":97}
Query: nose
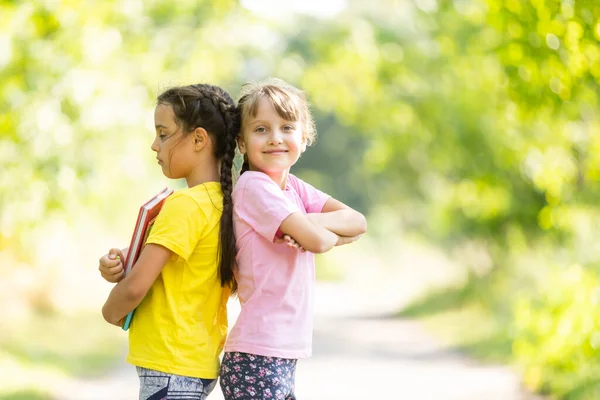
{"x":275,"y":137}
{"x":155,"y":147}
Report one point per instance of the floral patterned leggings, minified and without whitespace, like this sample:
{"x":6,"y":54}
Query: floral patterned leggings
{"x":248,"y":376}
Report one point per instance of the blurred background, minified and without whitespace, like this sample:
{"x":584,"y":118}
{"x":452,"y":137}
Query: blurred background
{"x":468,"y":132}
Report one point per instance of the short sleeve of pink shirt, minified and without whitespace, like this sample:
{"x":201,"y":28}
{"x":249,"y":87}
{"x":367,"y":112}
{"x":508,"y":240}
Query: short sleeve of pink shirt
{"x":262,"y":204}
{"x":313,"y":199}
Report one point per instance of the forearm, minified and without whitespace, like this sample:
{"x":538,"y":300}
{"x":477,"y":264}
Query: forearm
{"x":327,"y":239}
{"x":129,"y":293}
{"x":120,"y":302}
{"x":311,"y":236}
{"x":346,"y":222}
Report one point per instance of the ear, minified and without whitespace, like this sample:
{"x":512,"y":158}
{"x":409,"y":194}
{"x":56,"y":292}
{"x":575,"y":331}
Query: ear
{"x":200,"y":138}
{"x":241,"y":144}
{"x":304,"y":144}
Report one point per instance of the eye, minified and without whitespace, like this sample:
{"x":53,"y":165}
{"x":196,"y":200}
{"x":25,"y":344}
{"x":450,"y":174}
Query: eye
{"x":289,"y":128}
{"x":260,"y":129}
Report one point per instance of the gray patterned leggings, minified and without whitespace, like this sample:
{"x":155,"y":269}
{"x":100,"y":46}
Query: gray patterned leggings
{"x":156,"y":385}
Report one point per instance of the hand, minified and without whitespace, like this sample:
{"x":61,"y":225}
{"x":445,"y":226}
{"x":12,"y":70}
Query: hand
{"x":111,"y":266}
{"x":342,"y":240}
{"x":290,"y":242}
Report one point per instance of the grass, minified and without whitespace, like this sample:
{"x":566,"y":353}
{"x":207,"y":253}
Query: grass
{"x":53,"y":347}
{"x":456,"y":316}
{"x":472,"y":332}
{"x":26,"y":395}
{"x":462,"y":319}
{"x":586,"y":391}
{"x":438,"y":301}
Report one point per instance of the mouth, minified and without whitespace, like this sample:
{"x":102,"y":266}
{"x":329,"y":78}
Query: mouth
{"x":275,"y":152}
{"x":159,"y":161}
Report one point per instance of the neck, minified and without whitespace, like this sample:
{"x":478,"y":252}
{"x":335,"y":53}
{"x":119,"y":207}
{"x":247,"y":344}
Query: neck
{"x":280,"y":178}
{"x":207,"y":173}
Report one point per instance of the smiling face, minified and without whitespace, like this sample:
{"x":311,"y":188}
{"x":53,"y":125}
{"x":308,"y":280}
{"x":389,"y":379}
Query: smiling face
{"x":175,"y":150}
{"x":271,"y":143}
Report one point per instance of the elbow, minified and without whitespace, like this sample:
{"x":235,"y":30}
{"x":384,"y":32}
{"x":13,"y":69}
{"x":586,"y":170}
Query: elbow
{"x":320,"y":248}
{"x":356,"y":223}
{"x":121,"y":302}
{"x":314,"y":247}
{"x":109,"y":315}
{"x":362,"y":225}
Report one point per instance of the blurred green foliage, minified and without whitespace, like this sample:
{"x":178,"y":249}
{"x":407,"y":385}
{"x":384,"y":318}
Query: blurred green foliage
{"x":555,"y":333}
{"x":47,"y":351}
{"x":88,"y":353}
{"x":477,"y":120}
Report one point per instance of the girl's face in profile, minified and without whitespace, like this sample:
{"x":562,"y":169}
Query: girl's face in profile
{"x":272,"y":143}
{"x":174,"y":150}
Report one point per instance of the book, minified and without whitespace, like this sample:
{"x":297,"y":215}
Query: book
{"x":146,"y":217}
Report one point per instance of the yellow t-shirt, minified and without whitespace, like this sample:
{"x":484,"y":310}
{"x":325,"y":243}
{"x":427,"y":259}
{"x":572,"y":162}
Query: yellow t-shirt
{"x":181,"y":325}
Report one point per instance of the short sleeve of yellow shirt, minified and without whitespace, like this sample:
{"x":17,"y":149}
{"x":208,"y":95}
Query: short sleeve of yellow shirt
{"x":179,"y":225}
{"x":180,"y":326}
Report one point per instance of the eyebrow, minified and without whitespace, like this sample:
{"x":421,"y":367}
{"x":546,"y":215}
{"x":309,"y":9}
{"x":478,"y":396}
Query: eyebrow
{"x":265,"y":122}
{"x":160,"y":126}
{"x":257,"y":121}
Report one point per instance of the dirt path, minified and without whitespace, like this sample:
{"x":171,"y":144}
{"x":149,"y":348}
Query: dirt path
{"x":358,"y":352}
{"x":358,"y":357}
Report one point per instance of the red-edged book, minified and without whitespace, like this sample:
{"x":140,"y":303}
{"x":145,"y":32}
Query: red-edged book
{"x":146,"y":216}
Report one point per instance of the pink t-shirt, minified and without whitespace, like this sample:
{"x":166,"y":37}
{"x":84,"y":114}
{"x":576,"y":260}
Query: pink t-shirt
{"x":275,"y":282}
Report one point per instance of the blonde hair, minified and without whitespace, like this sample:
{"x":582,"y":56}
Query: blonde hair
{"x":289,"y":102}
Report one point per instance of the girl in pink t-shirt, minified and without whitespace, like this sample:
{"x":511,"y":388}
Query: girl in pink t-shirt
{"x":279,"y":222}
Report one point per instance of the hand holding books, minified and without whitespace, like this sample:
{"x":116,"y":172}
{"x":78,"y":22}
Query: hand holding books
{"x":115,"y":265}
{"x":111,"y":265}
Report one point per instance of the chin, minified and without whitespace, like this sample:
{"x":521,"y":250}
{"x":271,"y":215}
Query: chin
{"x":271,"y":171}
{"x":275,"y":168}
{"x":168,"y":175}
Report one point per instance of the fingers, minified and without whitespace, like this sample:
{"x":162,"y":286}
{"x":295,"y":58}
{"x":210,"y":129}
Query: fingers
{"x":113,"y":278}
{"x":113,"y":258}
{"x":115,"y":254}
{"x":111,"y":266}
{"x":290,"y":242}
{"x":295,"y":245}
{"x":111,"y":270}
{"x":106,"y":263}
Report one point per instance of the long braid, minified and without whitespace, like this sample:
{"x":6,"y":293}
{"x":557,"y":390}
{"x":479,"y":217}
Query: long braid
{"x":211,"y":108}
{"x":226,"y":152}
{"x":227,"y":241}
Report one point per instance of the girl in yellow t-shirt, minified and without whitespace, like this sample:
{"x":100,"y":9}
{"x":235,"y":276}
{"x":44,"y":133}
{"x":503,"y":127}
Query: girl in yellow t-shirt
{"x":184,"y":275}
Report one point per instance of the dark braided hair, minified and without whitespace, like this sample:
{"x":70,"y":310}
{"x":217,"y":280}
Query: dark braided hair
{"x":245,"y":165}
{"x":213,"y":109}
